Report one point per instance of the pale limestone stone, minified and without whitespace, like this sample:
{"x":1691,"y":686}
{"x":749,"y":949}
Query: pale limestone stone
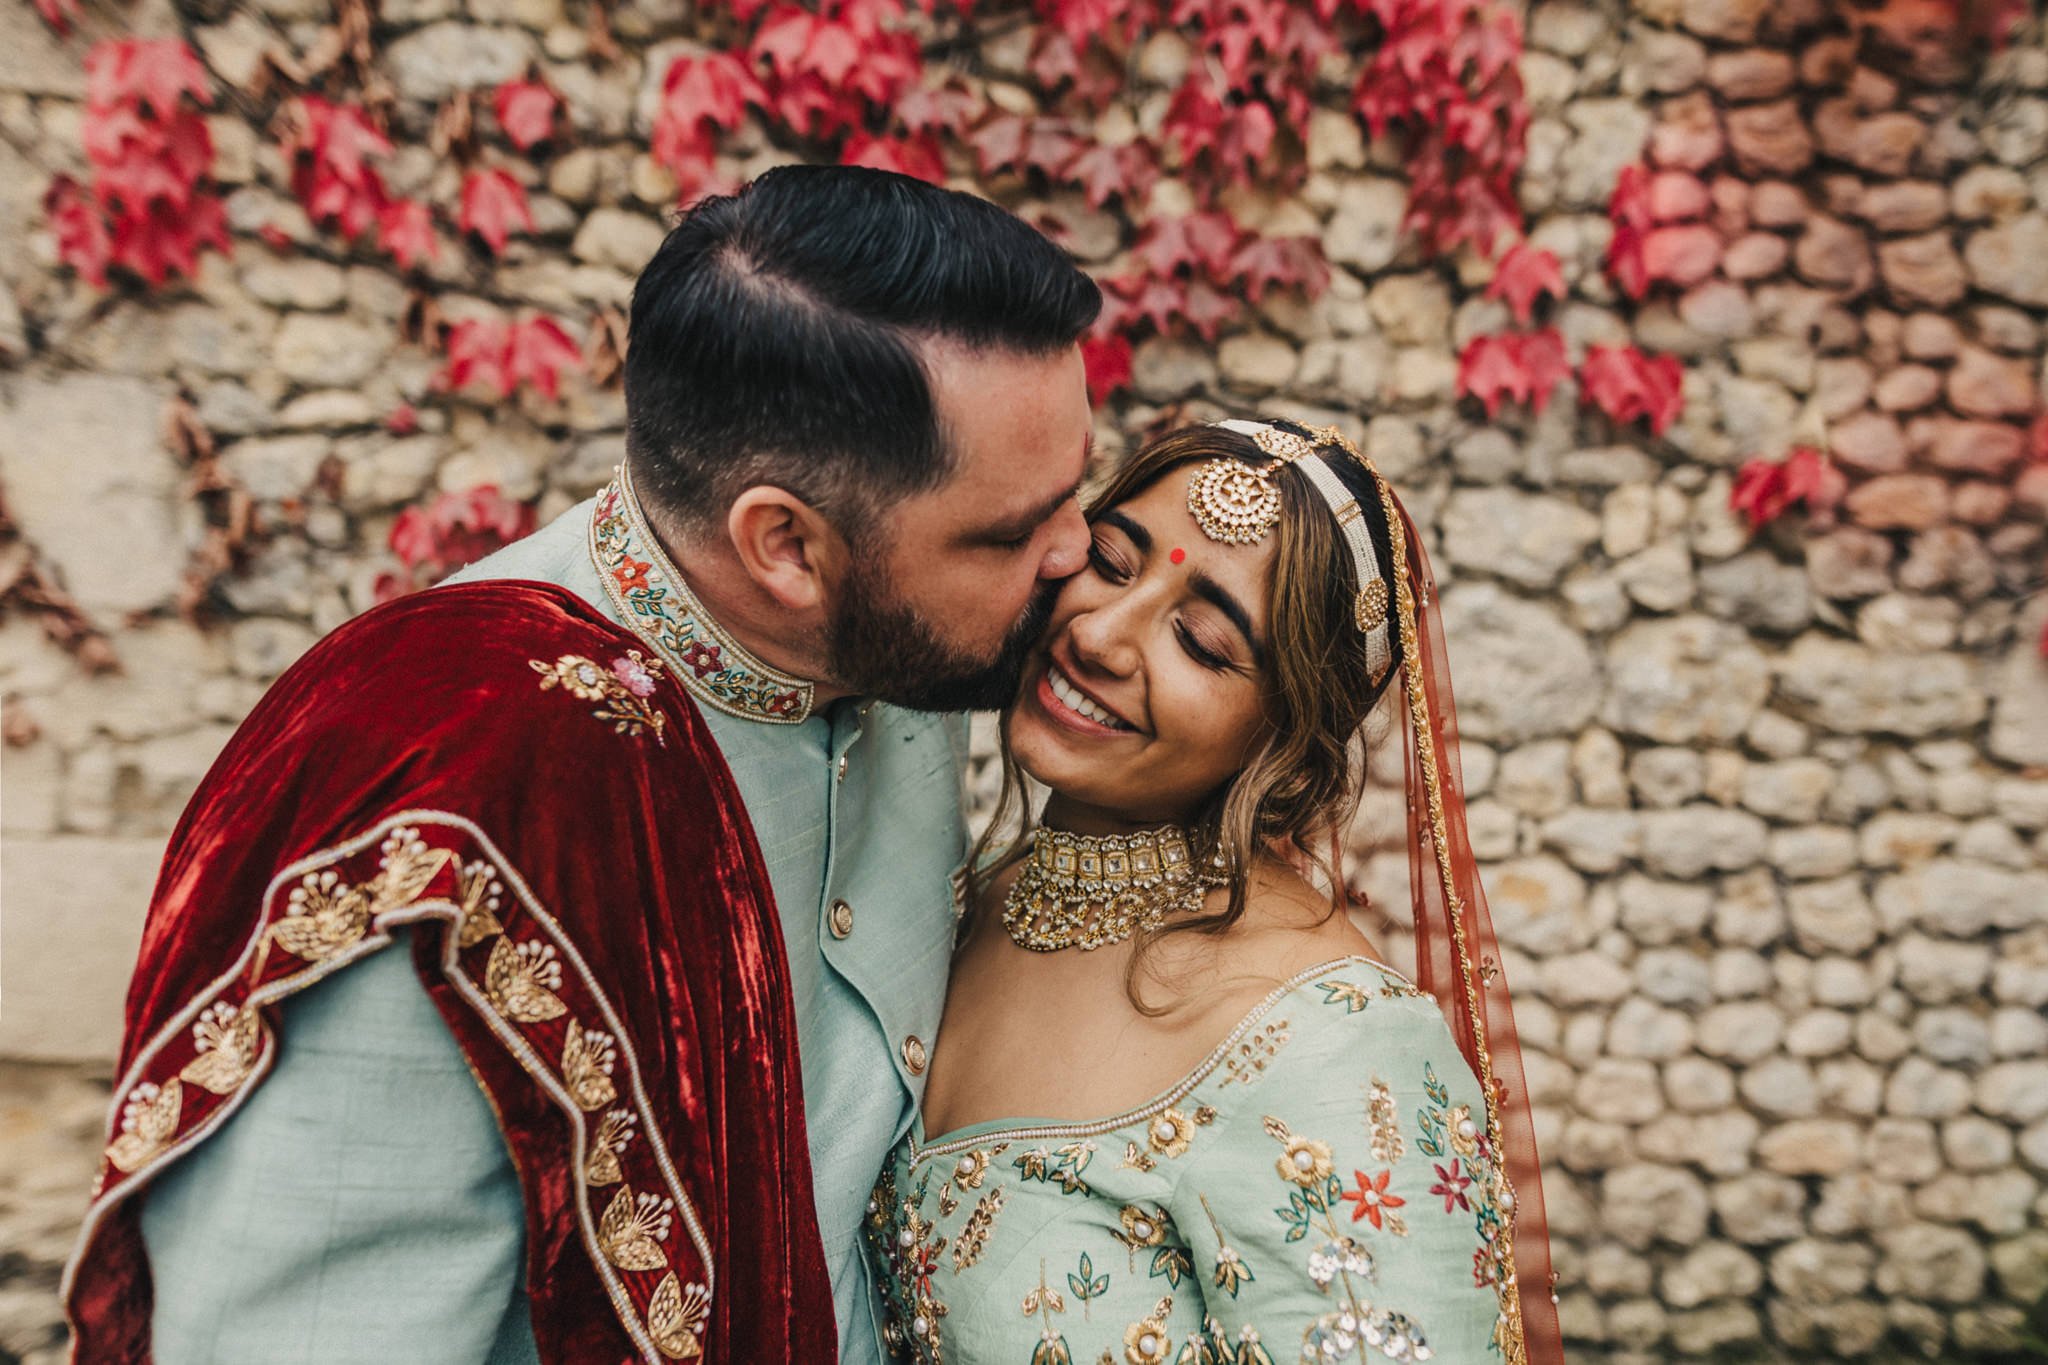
{"x":1961,"y":899}
{"x":328,"y":351}
{"x":2014,"y":1091}
{"x":1593,"y":841}
{"x":1522,"y":673}
{"x":277,"y":468}
{"x":106,"y":526}
{"x":1748,"y":911}
{"x":1819,"y":1033}
{"x":69,"y":1007}
{"x":1957,"y":1037}
{"x":1812,"y":851}
{"x":1696,"y":839}
{"x":435,"y":62}
{"x":2011,"y":260}
{"x":1811,"y":1270}
{"x":1930,"y":1262}
{"x":1741,"y":1031}
{"x":1758,"y":1209}
{"x":1849,"y":1085}
{"x":1526,"y":539}
{"x":1676,"y":976}
{"x":2019,"y":707}
{"x":1643,"y":1029}
{"x":1364,"y":232}
{"x":1539,"y":906}
{"x":1937,"y":971}
{"x":1810,"y":1147}
{"x":614,"y":237}
{"x":1583,"y":979}
{"x":1832,"y":916}
{"x":1781,"y":1087}
{"x":1666,"y":777}
{"x":2018,"y":1033}
{"x":1643,"y":1204}
{"x":1619,"y":1090}
{"x":1852,"y":689}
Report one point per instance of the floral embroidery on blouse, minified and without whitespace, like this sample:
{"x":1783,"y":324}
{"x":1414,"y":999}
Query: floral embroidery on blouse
{"x":1256,"y":1053}
{"x":1344,"y":1257}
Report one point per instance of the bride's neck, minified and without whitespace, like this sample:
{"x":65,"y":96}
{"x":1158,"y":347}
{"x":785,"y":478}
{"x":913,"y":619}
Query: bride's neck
{"x":1078,"y":817}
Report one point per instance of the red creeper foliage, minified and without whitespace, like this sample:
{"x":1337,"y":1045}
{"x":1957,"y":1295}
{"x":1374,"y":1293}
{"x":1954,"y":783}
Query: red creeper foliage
{"x":148,"y":210}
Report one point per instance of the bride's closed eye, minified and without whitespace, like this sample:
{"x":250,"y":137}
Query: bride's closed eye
{"x":1109,"y":564}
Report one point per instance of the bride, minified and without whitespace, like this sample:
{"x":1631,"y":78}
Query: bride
{"x":1179,"y":1111}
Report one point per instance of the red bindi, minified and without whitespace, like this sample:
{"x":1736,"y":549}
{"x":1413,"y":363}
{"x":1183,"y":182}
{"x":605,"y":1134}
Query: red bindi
{"x":1178,"y":554}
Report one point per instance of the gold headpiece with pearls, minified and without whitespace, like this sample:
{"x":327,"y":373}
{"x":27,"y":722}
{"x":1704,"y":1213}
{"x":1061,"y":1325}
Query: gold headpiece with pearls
{"x":1239,"y":504}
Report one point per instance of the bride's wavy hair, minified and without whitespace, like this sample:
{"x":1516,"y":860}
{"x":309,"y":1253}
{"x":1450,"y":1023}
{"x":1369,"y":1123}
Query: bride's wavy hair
{"x":1305,"y":774}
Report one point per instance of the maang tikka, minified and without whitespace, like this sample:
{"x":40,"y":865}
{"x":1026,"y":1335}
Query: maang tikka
{"x":1239,"y":504}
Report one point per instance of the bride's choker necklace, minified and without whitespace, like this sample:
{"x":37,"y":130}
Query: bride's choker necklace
{"x":1088,"y":891}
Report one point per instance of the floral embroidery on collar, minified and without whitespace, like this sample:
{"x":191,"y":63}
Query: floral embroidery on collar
{"x":657,"y":604}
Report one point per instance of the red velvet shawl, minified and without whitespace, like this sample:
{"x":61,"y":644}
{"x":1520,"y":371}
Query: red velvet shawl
{"x":503,"y":767}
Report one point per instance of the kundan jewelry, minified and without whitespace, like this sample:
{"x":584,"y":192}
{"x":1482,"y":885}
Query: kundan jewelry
{"x":1239,"y":504}
{"x":1088,"y":891}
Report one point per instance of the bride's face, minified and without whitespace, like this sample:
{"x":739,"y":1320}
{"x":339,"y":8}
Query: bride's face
{"x":1147,"y":694}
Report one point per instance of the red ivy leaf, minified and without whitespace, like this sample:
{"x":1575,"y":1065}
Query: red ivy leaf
{"x":492,"y":205}
{"x":453,"y":530}
{"x":2037,"y":438}
{"x":917,"y":155}
{"x":145,"y":71}
{"x":58,"y":14}
{"x":406,"y":227}
{"x":1200,"y":243}
{"x":1262,"y":263}
{"x":402,"y":420}
{"x":1103,"y":173}
{"x":537,"y":351}
{"x":1526,"y":274}
{"x":1543,"y":358}
{"x":1626,"y":384}
{"x":699,"y":97}
{"x":526,"y":111}
{"x":1107,"y":360}
{"x":1765,"y":489}
{"x":83,"y":242}
{"x":477,"y":352}
{"x":1490,"y":369}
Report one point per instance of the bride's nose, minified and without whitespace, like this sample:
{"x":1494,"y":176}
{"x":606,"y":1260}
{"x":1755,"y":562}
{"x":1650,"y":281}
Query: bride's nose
{"x":1105,"y":640}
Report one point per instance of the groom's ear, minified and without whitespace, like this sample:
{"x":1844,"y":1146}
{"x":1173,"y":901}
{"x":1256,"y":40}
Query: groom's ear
{"x":790,"y":551}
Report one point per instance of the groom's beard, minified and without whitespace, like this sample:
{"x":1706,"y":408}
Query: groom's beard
{"x":878,"y":646}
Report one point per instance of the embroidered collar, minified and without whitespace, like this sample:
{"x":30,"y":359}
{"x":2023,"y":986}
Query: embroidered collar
{"x":656,"y":602}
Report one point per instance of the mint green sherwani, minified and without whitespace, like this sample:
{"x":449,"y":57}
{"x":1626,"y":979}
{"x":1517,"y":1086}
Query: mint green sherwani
{"x":362,"y":1205}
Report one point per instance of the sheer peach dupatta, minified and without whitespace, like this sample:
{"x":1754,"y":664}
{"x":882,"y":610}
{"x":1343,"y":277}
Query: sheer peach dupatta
{"x":1457,"y":958}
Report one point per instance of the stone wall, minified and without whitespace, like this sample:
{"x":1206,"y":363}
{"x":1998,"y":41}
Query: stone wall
{"x":1764,"y":817}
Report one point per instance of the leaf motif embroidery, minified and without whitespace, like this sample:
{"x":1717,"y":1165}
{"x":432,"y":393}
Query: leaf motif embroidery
{"x":522,"y":981}
{"x":480,"y":891}
{"x":323,"y":917}
{"x":633,"y":1228}
{"x":676,"y":1318}
{"x":1384,"y":1119}
{"x":614,"y":1131}
{"x":409,"y":866}
{"x":973,"y":1238}
{"x":148,"y":1122}
{"x":587,"y":1059}
{"x":226,"y":1038}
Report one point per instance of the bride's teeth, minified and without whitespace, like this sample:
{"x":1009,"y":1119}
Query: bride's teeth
{"x":1075,"y":700}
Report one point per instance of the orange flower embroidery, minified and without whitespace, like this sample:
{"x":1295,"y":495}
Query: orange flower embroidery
{"x":1371,"y":1196}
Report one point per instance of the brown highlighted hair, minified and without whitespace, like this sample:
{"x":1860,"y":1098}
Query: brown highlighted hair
{"x":1306,"y":772}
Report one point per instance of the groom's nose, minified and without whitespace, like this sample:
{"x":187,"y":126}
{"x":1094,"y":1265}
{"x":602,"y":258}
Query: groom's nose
{"x":1066,"y":549}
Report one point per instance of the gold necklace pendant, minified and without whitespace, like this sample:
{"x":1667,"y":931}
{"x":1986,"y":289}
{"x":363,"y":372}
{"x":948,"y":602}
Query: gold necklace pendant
{"x":1089,"y":891}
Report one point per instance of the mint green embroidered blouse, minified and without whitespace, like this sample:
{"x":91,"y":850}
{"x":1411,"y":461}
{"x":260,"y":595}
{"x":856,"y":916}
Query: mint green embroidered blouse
{"x":1320,"y":1188}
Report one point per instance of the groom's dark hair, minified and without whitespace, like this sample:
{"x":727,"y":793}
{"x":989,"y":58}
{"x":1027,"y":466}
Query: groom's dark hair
{"x":775,"y":336}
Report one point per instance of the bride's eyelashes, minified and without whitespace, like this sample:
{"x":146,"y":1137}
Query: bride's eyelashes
{"x":1113,"y":571}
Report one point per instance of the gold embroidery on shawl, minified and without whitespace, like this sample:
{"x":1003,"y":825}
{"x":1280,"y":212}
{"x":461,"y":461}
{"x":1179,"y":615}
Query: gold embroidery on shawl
{"x":522,"y":980}
{"x":328,"y":915}
{"x":676,"y":1318}
{"x":481,"y":891}
{"x":226,"y":1038}
{"x":633,"y":1228}
{"x":614,"y":1131}
{"x":148,"y":1122}
{"x":587,"y":1060}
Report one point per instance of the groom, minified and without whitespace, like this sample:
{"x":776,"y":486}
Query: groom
{"x":546,"y":966}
